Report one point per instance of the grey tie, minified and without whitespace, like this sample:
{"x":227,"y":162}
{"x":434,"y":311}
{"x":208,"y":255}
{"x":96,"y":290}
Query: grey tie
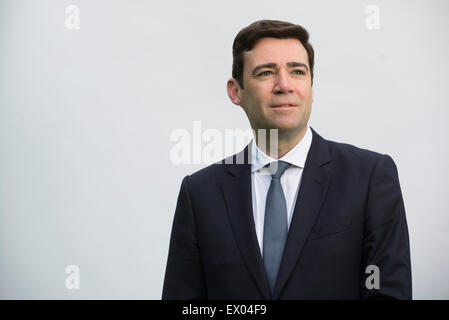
{"x":275,"y":225}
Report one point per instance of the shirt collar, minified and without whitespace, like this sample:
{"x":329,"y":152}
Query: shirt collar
{"x":296,"y":156}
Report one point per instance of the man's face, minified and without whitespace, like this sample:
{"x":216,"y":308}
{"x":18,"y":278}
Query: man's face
{"x":276,"y":72}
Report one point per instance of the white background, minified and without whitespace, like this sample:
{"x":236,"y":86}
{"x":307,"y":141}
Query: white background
{"x":86,"y":115}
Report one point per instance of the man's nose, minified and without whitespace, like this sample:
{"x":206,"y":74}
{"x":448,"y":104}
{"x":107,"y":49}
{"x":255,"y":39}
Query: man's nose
{"x":283,"y":82}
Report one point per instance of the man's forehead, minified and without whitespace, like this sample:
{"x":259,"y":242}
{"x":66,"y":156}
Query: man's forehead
{"x":273,"y":50}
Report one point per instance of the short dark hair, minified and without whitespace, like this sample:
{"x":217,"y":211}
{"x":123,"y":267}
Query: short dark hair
{"x":248,"y":36}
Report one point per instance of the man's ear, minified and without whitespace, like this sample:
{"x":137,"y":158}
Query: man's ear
{"x":234,"y":92}
{"x":312,"y":93}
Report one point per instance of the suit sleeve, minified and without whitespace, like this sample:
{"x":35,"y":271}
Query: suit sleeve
{"x":386,"y":238}
{"x":184,"y":279}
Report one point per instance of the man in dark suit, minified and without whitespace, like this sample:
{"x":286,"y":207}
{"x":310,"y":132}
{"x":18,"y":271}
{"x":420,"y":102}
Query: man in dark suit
{"x":296,"y":217}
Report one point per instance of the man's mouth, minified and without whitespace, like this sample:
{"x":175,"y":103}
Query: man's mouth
{"x":285,"y":106}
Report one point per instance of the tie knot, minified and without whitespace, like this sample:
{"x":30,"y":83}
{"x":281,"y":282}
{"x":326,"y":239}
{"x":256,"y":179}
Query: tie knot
{"x":281,"y":167}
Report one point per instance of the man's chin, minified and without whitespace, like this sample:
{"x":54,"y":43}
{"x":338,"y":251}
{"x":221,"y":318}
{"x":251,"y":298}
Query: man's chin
{"x":287,"y":127}
{"x":282,"y":126}
{"x":282,"y":130}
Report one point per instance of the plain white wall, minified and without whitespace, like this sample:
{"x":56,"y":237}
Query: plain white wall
{"x":86,"y":117}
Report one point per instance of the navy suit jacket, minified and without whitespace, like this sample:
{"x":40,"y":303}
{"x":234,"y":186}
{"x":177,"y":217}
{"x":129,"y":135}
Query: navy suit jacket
{"x":349,"y":214}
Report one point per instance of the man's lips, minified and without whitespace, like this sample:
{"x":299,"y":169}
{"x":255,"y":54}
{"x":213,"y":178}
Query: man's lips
{"x":284,"y":106}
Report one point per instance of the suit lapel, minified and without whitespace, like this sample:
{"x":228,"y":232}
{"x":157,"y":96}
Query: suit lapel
{"x":313,"y":189}
{"x":238,"y":196}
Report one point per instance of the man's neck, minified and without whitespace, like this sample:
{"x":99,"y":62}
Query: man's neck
{"x":286,"y":141}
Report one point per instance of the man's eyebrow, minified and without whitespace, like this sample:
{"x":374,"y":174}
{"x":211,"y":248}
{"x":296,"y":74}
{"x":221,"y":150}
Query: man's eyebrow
{"x":273,"y":65}
{"x":297,"y":64}
{"x":263,"y":66}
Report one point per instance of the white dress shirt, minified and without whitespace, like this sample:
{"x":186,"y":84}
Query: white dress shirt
{"x":290,"y":180}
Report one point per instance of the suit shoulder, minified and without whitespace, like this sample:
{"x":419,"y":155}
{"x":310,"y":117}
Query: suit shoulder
{"x":351,"y":153}
{"x":218,"y":170}
{"x":208,"y":176}
{"x":359,"y":164}
{"x":213,"y":169}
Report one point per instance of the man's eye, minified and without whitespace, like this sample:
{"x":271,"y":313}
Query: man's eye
{"x":299,"y":72}
{"x":264,"y":73}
